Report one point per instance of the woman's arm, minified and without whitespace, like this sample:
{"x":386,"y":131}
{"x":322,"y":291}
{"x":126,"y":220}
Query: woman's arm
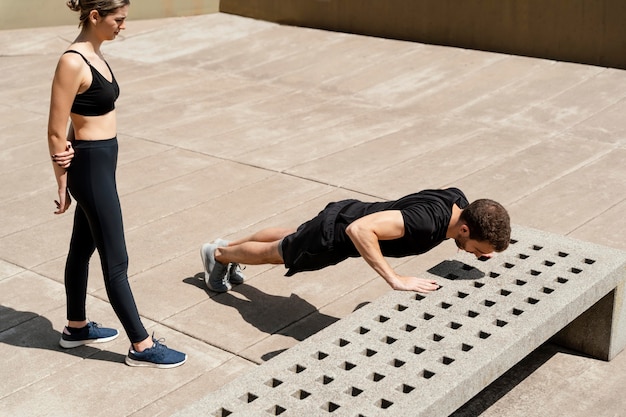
{"x":64,"y":159}
{"x":65,"y":85}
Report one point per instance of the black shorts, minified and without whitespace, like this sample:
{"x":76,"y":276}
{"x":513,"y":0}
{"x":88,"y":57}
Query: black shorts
{"x":314,"y":245}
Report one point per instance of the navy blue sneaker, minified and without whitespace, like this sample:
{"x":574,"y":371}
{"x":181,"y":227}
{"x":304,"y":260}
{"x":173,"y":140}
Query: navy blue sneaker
{"x":91,"y":333}
{"x":158,"y":356}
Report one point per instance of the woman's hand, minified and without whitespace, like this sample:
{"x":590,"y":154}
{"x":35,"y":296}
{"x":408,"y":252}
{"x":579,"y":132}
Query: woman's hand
{"x":64,"y":159}
{"x":64,"y":202}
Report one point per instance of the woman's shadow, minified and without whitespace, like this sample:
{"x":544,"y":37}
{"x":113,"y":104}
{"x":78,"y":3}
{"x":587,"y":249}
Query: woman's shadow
{"x":27,"y":329}
{"x":271,"y":314}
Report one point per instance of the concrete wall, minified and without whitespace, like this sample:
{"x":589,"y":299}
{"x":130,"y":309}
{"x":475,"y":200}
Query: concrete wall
{"x":586,"y":31}
{"x":16,"y":14}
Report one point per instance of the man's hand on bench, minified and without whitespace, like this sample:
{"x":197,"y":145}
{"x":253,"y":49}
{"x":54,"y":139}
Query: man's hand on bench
{"x":422,"y":285}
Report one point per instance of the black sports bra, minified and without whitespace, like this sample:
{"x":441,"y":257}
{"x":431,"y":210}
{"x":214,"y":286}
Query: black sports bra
{"x":99,"y":98}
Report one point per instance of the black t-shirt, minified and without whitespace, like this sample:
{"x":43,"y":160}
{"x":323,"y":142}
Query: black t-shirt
{"x":426,"y":217}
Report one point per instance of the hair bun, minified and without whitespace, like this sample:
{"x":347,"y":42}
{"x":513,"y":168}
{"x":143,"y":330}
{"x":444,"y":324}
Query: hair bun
{"x":74,"y":5}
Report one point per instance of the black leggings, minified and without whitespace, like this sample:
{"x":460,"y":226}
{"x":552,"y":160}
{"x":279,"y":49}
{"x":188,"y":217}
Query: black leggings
{"x":98,"y":224}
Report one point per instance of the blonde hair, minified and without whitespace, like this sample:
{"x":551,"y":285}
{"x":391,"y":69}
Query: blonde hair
{"x":103,"y":7}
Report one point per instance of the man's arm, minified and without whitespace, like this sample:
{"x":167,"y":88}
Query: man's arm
{"x":366,"y":233}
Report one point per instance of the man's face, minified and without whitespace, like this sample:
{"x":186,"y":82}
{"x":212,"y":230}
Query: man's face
{"x":478,"y":248}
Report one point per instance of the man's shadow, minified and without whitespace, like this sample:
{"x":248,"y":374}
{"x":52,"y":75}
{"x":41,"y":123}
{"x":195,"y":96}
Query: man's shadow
{"x":26,"y":329}
{"x":261,"y":310}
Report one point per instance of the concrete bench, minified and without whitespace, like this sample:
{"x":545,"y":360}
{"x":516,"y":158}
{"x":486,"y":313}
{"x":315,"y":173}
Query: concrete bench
{"x":409,"y":354}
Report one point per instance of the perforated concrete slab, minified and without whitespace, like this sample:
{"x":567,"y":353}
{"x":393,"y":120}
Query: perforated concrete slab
{"x":410,"y":354}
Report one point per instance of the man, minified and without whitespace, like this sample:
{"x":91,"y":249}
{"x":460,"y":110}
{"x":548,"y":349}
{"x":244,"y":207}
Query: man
{"x":412,"y":225}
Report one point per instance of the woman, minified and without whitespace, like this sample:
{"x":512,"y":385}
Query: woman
{"x":84,"y":91}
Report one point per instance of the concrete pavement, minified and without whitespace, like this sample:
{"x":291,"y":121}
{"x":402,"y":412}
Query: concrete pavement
{"x":227,"y":125}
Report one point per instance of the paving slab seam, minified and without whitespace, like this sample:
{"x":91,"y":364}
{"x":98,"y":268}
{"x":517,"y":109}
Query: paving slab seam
{"x":608,"y":208}
{"x":580,"y":82}
{"x":569,"y":171}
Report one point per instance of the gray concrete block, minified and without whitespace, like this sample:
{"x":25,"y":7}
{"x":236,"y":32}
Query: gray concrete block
{"x":601,"y":330}
{"x":426,"y":355}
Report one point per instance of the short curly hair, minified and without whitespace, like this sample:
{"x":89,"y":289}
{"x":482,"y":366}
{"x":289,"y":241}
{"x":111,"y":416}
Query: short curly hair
{"x":488,"y":221}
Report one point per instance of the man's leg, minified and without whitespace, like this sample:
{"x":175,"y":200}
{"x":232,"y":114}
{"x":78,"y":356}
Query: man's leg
{"x":271,"y":234}
{"x":249,"y":253}
{"x":259,"y":248}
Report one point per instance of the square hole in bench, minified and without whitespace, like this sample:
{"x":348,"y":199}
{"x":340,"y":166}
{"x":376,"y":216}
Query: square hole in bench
{"x":301,"y":394}
{"x":446,"y":360}
{"x":330,"y":407}
{"x":273,"y":383}
{"x":369,"y":352}
{"x":517,"y":312}
{"x":320,"y":355}
{"x":466,"y":348}
{"x":276,"y":410}
{"x":437,"y":337}
{"x":296,"y":369}
{"x":384,"y":404}
{"x":418,"y":350}
{"x":382,"y":318}
{"x":427,"y":374}
{"x":483,"y":335}
{"x":397,"y":363}
{"x":362,"y":330}
{"x":389,"y":340}
{"x":222,"y":412}
{"x":248,"y":398}
{"x":376,"y":377}
{"x":325,"y":379}
{"x":408,"y":328}
{"x":405,"y":389}
{"x":347,"y":366}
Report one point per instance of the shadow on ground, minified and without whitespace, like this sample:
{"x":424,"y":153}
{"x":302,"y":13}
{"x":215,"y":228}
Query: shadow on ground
{"x":27,"y":329}
{"x":271,"y":314}
{"x":509,"y":380}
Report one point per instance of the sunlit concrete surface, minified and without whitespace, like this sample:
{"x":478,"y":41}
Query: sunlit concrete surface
{"x":227,"y":125}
